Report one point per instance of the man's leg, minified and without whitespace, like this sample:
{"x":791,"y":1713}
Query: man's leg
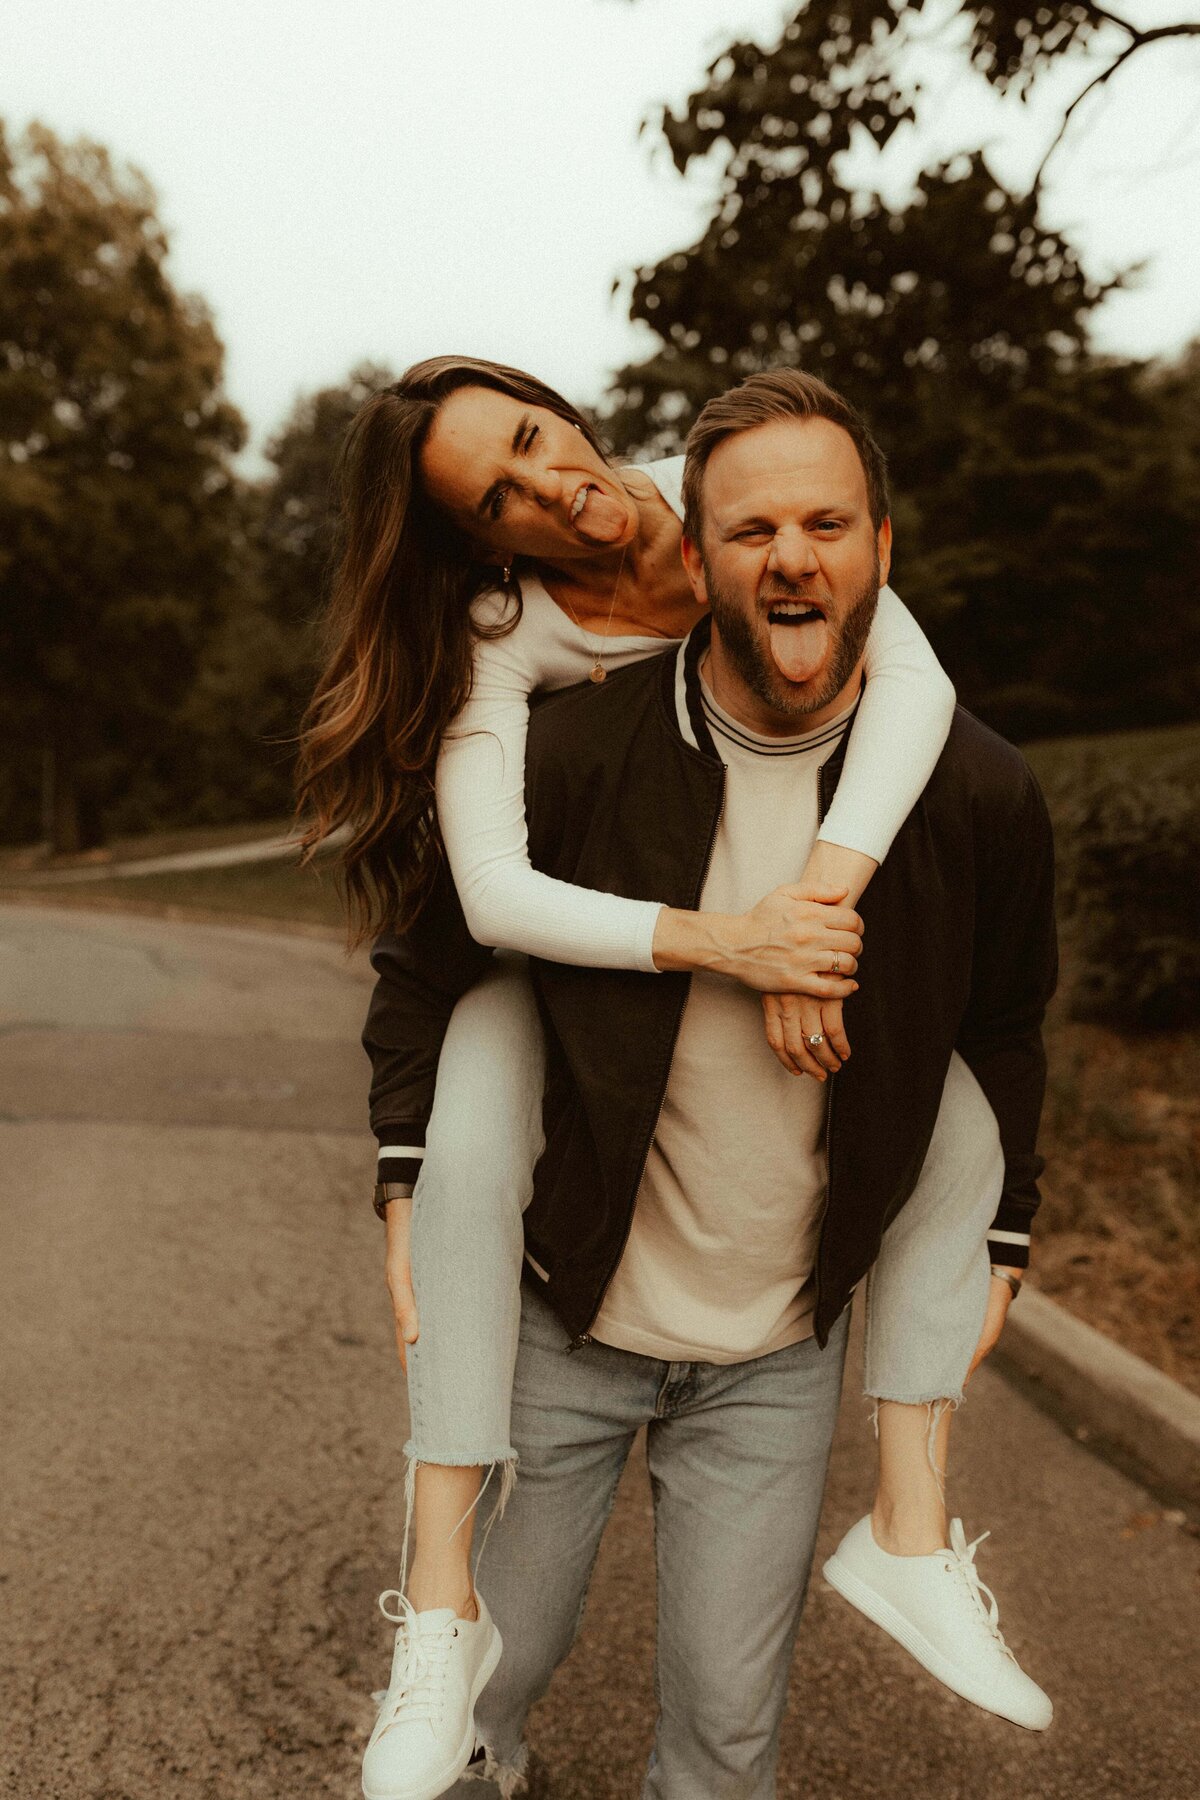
{"x":574,"y":1421}
{"x":737,"y":1458}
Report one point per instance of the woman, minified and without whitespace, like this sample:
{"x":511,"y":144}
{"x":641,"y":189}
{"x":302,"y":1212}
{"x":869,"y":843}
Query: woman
{"x":491,"y":550}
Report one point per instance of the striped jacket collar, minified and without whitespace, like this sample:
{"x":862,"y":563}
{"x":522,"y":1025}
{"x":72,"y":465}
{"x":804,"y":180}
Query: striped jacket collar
{"x":687,"y":702}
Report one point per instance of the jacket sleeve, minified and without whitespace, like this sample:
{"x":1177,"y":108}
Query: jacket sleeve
{"x":420,"y":974}
{"x":1014,"y":974}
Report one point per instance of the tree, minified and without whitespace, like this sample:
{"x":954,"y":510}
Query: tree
{"x":1034,"y":485}
{"x":298,"y":503}
{"x":859,"y":50}
{"x":117,"y":499}
{"x":1012,"y":42}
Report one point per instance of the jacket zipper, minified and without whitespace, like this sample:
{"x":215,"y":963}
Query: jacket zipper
{"x":829,"y":1086}
{"x":828,"y":1195}
{"x":584,"y":1337}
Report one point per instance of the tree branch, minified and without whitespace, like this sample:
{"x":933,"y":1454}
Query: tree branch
{"x":1111,"y":18}
{"x":1139,"y":40}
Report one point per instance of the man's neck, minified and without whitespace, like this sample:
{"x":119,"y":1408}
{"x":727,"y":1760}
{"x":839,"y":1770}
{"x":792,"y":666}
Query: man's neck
{"x":741,"y":702}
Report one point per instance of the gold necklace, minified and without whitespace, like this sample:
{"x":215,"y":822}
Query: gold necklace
{"x":598,"y":670}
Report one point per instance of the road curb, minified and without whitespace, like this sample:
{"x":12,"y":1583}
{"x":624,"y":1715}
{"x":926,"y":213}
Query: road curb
{"x":1109,"y":1397}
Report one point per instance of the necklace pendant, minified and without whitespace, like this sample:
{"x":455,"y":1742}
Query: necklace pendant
{"x":599,"y":672}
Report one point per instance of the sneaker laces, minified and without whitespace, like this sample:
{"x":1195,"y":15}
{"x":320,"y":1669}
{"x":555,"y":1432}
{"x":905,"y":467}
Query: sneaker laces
{"x":418,"y":1685}
{"x":961,"y":1561}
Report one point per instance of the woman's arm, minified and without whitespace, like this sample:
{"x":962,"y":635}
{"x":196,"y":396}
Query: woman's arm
{"x":781,"y":944}
{"x":481,"y":814}
{"x":899,"y":733}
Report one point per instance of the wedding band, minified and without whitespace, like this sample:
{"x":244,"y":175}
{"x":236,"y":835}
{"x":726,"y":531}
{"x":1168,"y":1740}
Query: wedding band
{"x":818,"y":1037}
{"x":837,"y":962}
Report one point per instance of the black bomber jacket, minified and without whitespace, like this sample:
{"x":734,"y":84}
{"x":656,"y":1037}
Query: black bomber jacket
{"x":624,"y":789}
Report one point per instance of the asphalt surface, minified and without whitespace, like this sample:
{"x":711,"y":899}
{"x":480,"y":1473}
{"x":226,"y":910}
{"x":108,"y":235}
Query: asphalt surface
{"x":202,"y":1423}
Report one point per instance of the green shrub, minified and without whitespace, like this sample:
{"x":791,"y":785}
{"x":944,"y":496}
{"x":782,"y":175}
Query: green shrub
{"x":1134,"y":889}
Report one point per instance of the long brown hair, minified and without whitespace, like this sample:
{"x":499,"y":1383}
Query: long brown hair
{"x":399,"y":638}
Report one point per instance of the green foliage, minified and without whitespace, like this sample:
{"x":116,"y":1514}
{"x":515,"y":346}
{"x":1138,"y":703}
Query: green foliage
{"x":256,"y":673}
{"x":298,"y":504}
{"x":861,"y":44}
{"x":961,"y":297}
{"x":1135,"y":895}
{"x":1046,"y":501}
{"x":117,"y":502}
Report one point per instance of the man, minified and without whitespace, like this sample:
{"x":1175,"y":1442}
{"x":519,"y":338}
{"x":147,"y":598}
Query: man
{"x":695,"y":1232}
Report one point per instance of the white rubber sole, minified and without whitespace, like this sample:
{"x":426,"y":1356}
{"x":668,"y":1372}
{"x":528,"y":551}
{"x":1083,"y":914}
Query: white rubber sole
{"x":882,"y":1613}
{"x":466,"y":1750}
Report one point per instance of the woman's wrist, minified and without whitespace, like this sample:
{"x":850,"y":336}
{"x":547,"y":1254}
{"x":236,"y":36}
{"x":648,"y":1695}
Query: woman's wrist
{"x":695,"y":940}
{"x":833,"y":865}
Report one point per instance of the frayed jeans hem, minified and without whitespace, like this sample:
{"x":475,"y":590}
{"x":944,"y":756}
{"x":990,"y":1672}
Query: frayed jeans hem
{"x":511,"y":1777}
{"x":940,"y":1398}
{"x":457,"y":1459}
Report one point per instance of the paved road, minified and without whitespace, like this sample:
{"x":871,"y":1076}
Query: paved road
{"x":202,"y":1422}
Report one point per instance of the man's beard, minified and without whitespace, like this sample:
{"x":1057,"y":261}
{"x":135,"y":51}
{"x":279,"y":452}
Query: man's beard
{"x":751,"y":656}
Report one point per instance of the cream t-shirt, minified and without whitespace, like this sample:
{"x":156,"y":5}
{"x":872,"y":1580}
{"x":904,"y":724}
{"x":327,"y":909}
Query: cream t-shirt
{"x":719,"y":1260}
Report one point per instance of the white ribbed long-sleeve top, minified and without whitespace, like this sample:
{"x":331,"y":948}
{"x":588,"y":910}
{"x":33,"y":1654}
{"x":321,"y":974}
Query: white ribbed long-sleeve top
{"x":903,"y":720}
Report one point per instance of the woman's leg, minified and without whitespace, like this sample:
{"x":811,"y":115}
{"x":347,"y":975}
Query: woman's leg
{"x":484,"y":1138}
{"x":926,"y":1299}
{"x":909,"y":1514}
{"x":927,"y":1296}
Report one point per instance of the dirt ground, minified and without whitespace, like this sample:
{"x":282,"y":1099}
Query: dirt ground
{"x":1118,"y":1237}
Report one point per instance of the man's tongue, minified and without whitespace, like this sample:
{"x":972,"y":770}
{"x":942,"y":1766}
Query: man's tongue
{"x":799,"y":647}
{"x":602,"y":520}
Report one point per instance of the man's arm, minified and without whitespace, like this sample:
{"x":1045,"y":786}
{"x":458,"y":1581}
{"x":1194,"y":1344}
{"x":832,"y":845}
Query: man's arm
{"x":1014,"y":974}
{"x":420,"y":975}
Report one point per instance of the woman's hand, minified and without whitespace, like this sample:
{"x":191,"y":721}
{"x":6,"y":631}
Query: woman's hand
{"x":399,"y":1277}
{"x":791,"y":1019}
{"x":1000,"y":1298}
{"x":788,"y":944}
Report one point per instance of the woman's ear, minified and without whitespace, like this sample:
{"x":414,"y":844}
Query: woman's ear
{"x":693,"y":563}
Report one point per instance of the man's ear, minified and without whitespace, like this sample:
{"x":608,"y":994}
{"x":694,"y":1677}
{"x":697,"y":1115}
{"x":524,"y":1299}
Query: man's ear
{"x":883,"y":543}
{"x":693,"y":563}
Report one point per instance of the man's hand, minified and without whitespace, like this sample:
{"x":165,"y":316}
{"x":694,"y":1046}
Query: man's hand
{"x":791,"y":1019}
{"x":1000,"y":1298}
{"x":399,"y":1277}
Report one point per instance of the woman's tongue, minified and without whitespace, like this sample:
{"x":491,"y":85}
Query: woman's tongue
{"x":799,"y":646}
{"x":602,"y":519}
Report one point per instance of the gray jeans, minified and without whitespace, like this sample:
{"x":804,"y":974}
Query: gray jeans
{"x":926,"y":1296}
{"x":737,"y":1456}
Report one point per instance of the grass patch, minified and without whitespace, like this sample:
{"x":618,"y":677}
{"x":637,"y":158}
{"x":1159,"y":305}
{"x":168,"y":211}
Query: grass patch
{"x":1118,"y":1236}
{"x":16,"y":859}
{"x":267,"y":890}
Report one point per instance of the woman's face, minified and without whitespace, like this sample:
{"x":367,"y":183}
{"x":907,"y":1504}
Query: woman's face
{"x":520,"y":481}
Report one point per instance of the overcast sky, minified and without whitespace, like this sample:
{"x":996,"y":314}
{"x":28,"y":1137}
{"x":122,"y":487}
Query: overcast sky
{"x":395,"y":178}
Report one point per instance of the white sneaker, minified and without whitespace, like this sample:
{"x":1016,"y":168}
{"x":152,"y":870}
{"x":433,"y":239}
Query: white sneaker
{"x":425,"y":1733}
{"x":935,"y":1607}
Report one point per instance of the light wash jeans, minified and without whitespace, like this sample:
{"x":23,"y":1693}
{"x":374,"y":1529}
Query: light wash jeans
{"x":737,"y":1454}
{"x":926,"y":1295}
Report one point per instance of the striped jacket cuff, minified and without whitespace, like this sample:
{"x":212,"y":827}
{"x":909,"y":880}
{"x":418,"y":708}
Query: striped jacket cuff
{"x":401,"y":1152}
{"x":1008,"y":1245}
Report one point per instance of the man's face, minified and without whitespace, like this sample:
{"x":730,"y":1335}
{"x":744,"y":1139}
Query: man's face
{"x":791,"y":567}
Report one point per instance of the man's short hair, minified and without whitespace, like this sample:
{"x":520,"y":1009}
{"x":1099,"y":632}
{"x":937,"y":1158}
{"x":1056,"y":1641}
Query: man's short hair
{"x":761,"y":399}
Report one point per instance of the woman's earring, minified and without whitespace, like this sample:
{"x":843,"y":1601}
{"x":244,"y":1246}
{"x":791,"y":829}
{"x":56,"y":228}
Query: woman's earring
{"x":506,"y":573}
